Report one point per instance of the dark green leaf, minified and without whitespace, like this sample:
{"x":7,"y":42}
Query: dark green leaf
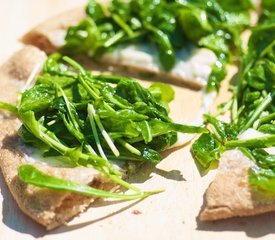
{"x":206,"y":150}
{"x":37,"y":98}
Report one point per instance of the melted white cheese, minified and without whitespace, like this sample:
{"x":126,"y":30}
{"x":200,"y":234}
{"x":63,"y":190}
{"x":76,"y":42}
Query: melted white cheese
{"x":192,"y":64}
{"x":33,"y":156}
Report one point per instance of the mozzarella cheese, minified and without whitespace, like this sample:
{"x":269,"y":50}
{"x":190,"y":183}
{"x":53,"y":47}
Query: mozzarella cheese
{"x":192,"y":65}
{"x":33,"y":156}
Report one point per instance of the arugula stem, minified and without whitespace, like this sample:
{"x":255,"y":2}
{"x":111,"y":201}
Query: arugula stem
{"x":89,"y":148}
{"x":74,"y":64}
{"x":234,"y":111}
{"x":111,"y":41}
{"x":267,"y":118}
{"x":51,"y":122}
{"x":259,"y":142}
{"x":87,"y":87}
{"x":73,"y":126}
{"x":98,"y":162}
{"x":240,"y":111}
{"x":82,"y":80}
{"x":262,"y":106}
{"x":53,"y":143}
{"x":123,"y":183}
{"x":116,"y":102}
{"x":215,"y":133}
{"x":103,"y":131}
{"x":9,"y":107}
{"x":124,"y":158}
{"x":247,"y":153}
{"x":149,"y":132}
{"x":92,"y":122}
{"x":72,"y":120}
{"x":129,"y":147}
{"x":122,"y":24}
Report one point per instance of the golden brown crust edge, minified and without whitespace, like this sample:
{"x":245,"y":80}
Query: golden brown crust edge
{"x":49,"y":35}
{"x":230,"y":194}
{"x":47,"y":207}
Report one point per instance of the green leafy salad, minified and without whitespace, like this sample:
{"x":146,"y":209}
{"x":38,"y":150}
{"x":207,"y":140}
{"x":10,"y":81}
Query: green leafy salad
{"x":97,"y":121}
{"x":168,"y":25}
{"x":252,"y":108}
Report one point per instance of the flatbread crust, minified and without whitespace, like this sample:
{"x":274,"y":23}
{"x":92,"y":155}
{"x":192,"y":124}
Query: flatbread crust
{"x":47,"y":207}
{"x":231,"y":195}
{"x":49,"y":36}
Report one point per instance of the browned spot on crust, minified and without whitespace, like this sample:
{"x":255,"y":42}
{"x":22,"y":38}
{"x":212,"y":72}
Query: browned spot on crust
{"x":136,"y":212}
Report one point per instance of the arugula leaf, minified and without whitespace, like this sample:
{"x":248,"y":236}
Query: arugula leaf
{"x":223,"y":131}
{"x":262,"y":178}
{"x":264,"y":159}
{"x":267,"y":128}
{"x":206,"y":149}
{"x":37,"y":98}
{"x":190,"y":16}
{"x":8,"y":107}
{"x":162,"y":92}
{"x":29,"y":174}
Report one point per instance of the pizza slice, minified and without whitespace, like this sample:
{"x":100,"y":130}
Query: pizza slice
{"x":48,"y":207}
{"x":244,"y":184}
{"x":188,"y":43}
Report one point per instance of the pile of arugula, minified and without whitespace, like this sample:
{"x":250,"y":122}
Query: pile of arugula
{"x":169,"y":25}
{"x":94,"y":120}
{"x":252,"y":106}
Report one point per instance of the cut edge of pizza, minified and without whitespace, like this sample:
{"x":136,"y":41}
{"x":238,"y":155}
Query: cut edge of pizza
{"x":230,"y":194}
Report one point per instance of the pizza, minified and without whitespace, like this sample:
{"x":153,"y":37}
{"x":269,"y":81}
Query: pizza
{"x":200,"y":65}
